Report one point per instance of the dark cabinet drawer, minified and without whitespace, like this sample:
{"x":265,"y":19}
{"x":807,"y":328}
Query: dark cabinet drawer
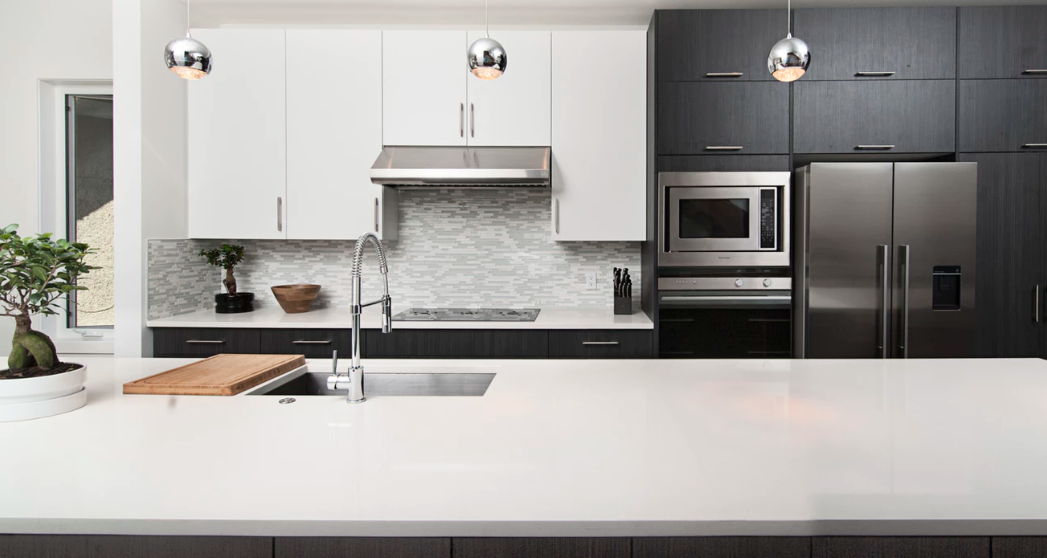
{"x":704,"y":118}
{"x":361,"y":547}
{"x":456,"y":343}
{"x":724,"y":333}
{"x":1003,"y":42}
{"x":600,"y":344}
{"x":203,"y":342}
{"x":1003,"y":115}
{"x":722,"y":547}
{"x":867,"y":43}
{"x":875,"y":116}
{"x":900,"y":547}
{"x":118,"y":546}
{"x":313,"y":343}
{"x":543,"y":547}
{"x":695,"y":45}
{"x":1019,"y":547}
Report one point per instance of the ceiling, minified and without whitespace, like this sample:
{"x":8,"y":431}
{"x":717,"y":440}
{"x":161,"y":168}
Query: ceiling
{"x":504,"y":13}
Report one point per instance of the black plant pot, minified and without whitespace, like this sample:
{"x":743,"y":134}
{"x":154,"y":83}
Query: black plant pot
{"x":233,"y":304}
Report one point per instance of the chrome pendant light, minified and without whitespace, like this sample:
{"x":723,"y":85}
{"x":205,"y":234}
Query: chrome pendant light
{"x":789,"y":57}
{"x":487,"y":58}
{"x":187,"y":57}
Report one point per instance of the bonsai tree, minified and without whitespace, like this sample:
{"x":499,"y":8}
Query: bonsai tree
{"x":34,"y":272}
{"x":227,"y":257}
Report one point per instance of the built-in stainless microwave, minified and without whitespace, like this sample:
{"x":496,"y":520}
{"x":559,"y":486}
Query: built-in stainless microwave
{"x":738,"y":219}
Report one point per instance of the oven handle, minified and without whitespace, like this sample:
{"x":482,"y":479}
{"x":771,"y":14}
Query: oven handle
{"x":698,"y":301}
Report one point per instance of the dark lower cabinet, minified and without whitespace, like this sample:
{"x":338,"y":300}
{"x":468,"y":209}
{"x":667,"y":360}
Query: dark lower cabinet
{"x":1019,"y":547}
{"x":313,"y":343}
{"x":361,"y":547}
{"x":456,"y":343}
{"x":722,"y":547}
{"x":724,"y":333}
{"x":106,"y":546}
{"x":1003,"y":115}
{"x":900,"y":547}
{"x":204,"y":342}
{"x":600,"y":344}
{"x":541,"y":548}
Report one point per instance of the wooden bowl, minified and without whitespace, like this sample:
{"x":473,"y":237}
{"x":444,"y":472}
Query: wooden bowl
{"x":295,"y":299}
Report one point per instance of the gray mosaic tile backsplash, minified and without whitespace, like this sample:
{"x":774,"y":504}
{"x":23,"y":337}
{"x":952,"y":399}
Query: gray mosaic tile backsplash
{"x":457,"y":248}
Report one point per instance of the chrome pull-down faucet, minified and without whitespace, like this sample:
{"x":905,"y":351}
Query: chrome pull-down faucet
{"x":354,"y":379}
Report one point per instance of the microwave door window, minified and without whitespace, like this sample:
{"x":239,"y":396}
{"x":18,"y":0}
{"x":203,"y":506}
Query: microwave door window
{"x":714,"y":218}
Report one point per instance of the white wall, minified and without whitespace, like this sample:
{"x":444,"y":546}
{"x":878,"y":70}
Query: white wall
{"x":48,"y":40}
{"x":150,"y":154}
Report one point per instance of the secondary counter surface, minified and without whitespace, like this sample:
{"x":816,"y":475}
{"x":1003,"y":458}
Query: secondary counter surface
{"x":555,"y":448}
{"x":341,"y":318}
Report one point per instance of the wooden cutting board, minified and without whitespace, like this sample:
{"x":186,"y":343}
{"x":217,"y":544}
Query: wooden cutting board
{"x":218,"y":375}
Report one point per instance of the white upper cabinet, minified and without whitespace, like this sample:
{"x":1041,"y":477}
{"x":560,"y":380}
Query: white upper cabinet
{"x":513,"y":110}
{"x":599,"y":135}
{"x":424,"y":87}
{"x":237,"y":156}
{"x":334,"y":134}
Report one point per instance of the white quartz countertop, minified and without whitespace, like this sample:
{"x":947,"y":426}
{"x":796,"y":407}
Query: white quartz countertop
{"x":341,"y":318}
{"x":555,"y":448}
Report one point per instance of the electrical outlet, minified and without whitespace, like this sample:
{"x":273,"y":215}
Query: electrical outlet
{"x":590,"y":280}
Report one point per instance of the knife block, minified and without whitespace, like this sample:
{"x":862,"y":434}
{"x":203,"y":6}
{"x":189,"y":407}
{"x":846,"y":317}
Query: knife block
{"x":623,"y":305}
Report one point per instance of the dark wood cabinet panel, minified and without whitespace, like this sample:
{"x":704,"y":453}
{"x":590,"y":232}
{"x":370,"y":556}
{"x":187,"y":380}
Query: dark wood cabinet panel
{"x":722,"y":547}
{"x":739,"y":163}
{"x":1003,"y":115}
{"x":724,"y":333}
{"x":695,"y":45}
{"x":1002,"y":42}
{"x":916,"y":116}
{"x":900,"y":547}
{"x":697,"y":118}
{"x":1019,"y":547}
{"x":1010,"y":252}
{"x":361,"y":547}
{"x":600,"y":344}
{"x":203,"y":342}
{"x":313,"y":343}
{"x":104,"y":546}
{"x":541,"y":548}
{"x":914,"y":43}
{"x":456,"y":343}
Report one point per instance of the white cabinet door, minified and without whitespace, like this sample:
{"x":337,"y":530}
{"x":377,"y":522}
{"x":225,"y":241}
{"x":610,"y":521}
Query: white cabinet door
{"x":334,"y":133}
{"x":599,"y":135}
{"x":424,"y":80}
{"x":513,"y":110}
{"x":237,"y":184}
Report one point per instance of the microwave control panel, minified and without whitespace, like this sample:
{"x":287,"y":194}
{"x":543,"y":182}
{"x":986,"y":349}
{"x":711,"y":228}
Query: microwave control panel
{"x":768,"y":218}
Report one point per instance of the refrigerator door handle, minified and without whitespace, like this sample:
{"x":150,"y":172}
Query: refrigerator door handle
{"x":905,"y":301}
{"x":885,"y":274}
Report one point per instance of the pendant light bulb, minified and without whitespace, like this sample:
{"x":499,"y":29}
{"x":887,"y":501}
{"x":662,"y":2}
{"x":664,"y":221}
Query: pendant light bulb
{"x":789,"y":57}
{"x":187,"y":57}
{"x":487,"y":58}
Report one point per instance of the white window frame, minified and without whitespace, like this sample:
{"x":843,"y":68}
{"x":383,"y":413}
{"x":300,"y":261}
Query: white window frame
{"x":53,"y":205}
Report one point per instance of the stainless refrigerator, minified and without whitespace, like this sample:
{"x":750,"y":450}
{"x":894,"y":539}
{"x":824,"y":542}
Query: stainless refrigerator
{"x":885,"y":256}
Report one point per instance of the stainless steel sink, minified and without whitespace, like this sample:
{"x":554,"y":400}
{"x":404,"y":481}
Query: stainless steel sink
{"x":382,"y":385}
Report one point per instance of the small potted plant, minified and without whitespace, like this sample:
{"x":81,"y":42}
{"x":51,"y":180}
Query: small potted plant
{"x":227,"y":257}
{"x":34,"y":273}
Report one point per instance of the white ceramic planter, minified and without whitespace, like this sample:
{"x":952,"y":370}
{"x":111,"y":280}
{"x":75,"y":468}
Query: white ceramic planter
{"x":30,"y":398}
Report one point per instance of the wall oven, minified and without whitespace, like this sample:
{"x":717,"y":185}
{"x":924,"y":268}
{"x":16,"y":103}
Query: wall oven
{"x":729,"y":219}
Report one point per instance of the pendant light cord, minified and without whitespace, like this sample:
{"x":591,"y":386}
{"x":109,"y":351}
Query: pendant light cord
{"x":487,"y":20}
{"x":788,"y":18}
{"x":187,"y":18}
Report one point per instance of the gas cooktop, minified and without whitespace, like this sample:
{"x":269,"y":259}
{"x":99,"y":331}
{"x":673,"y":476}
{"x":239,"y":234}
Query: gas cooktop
{"x":467,"y":315}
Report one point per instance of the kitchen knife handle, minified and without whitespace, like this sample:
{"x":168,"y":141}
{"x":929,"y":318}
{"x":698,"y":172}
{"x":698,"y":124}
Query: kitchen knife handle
{"x":883,"y":251}
{"x":724,"y":74}
{"x":205,"y":341}
{"x":1036,"y":304}
{"x":472,"y":120}
{"x":304,"y":342}
{"x":461,"y":120}
{"x":873,"y":74}
{"x":905,"y":301}
{"x":376,"y":215}
{"x":279,"y":214}
{"x":599,"y":342}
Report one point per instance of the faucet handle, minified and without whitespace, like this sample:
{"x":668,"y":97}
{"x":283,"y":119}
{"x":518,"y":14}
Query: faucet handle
{"x":387,"y":314}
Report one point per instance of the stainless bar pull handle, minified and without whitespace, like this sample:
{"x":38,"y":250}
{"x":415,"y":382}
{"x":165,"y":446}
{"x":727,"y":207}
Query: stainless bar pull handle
{"x":869,"y":147}
{"x":304,"y":342}
{"x":873,"y":74}
{"x":472,"y":120}
{"x":599,"y":342}
{"x":884,"y":253}
{"x":556,"y":215}
{"x":724,"y":147}
{"x":205,"y":341}
{"x":279,"y":214}
{"x":1036,"y":304}
{"x":728,"y":298}
{"x":1034,"y":72}
{"x":461,"y":120}
{"x":1034,"y":145}
{"x":905,"y":301}
{"x":724,"y":74}
{"x":376,"y":215}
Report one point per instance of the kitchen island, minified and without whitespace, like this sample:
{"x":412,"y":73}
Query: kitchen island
{"x":592,"y":448}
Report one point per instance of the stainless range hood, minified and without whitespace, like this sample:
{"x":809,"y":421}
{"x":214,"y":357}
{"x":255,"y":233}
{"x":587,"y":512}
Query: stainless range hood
{"x":462,"y":166}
